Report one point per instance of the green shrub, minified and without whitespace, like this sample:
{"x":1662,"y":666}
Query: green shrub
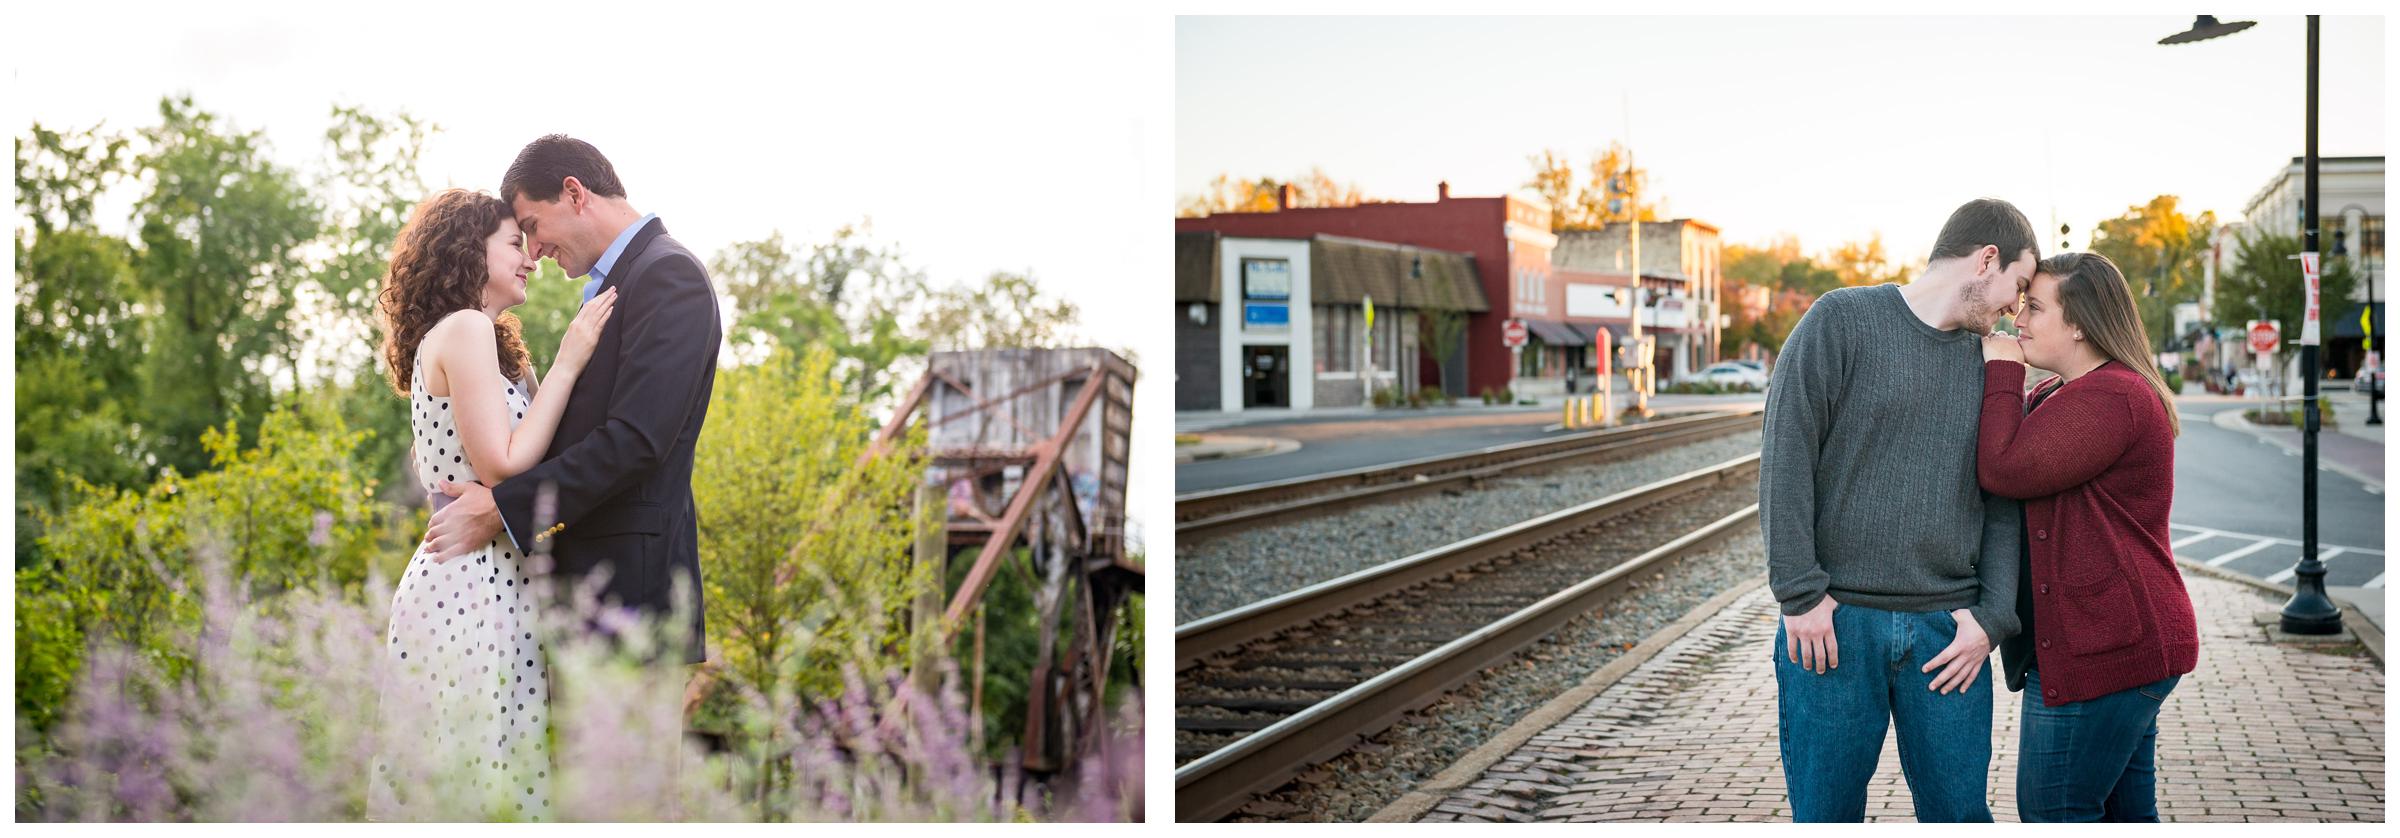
{"x":295,"y":511}
{"x":807,"y":546}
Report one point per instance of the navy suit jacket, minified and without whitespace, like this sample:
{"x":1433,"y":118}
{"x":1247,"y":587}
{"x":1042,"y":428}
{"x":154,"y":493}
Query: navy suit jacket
{"x":620,"y":465}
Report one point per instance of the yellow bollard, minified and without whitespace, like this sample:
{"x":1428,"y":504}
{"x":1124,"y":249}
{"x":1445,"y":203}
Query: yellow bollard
{"x":1569,"y":419}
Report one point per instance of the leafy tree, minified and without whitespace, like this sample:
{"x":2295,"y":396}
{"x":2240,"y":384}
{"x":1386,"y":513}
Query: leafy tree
{"x":1857,"y":263}
{"x":294,"y":511}
{"x":2264,"y":283}
{"x":1792,"y":280}
{"x":369,"y":186}
{"x":220,"y":235}
{"x":1606,"y":196}
{"x":807,"y":542}
{"x":79,"y":336}
{"x":1314,"y":189}
{"x":1006,"y":311}
{"x":2159,"y":250}
{"x":846,"y":294}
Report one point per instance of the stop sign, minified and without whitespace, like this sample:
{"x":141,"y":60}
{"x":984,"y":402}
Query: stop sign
{"x":1512,"y":333}
{"x":2263,"y":336}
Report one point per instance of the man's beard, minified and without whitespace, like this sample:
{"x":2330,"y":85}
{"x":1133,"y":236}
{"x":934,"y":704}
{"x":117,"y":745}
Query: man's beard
{"x":1976,"y":313}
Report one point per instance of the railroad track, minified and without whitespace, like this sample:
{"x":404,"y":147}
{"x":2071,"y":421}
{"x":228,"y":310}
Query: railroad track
{"x":1269,"y":689}
{"x":1201,"y":515}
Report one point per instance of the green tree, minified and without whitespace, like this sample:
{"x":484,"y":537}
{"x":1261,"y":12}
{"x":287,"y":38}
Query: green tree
{"x":2264,"y":283}
{"x":79,"y":338}
{"x":808,"y":542}
{"x":847,"y":294}
{"x":1006,"y":311}
{"x":294,"y":511}
{"x":368,"y":188}
{"x":220,"y":235}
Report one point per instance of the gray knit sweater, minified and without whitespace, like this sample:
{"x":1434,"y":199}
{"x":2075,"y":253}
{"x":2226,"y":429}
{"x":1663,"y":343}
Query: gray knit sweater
{"x":1866,"y":486}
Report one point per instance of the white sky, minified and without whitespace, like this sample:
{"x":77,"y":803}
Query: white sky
{"x":975,"y":144}
{"x":1830,"y":128}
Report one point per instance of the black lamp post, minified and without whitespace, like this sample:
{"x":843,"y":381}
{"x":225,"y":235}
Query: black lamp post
{"x":2310,"y":611}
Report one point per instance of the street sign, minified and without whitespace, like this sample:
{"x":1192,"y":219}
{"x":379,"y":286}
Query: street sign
{"x":2263,"y":336}
{"x":2366,"y":326}
{"x":1512,"y":333}
{"x":2308,"y":323}
{"x":1370,"y":302}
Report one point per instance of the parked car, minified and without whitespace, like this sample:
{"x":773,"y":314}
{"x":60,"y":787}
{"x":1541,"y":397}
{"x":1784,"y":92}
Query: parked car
{"x":2368,"y":382}
{"x":1734,"y":373}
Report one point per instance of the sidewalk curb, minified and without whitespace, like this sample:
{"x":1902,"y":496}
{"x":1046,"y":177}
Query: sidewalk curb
{"x":1469,"y":768}
{"x":2369,"y":635}
{"x":2232,"y":420}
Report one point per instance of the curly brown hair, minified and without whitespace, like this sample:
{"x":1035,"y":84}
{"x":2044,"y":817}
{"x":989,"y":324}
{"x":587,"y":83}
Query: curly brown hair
{"x":439,"y":267}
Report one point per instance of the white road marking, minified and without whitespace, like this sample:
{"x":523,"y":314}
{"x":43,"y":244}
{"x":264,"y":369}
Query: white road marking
{"x":2255,"y":537}
{"x":2254,"y":547}
{"x":2195,"y":538}
{"x":2286,"y":574}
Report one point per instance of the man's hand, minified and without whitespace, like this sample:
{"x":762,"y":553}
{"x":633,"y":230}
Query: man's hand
{"x":464,"y":526}
{"x":1808,"y":638}
{"x":1964,"y":659}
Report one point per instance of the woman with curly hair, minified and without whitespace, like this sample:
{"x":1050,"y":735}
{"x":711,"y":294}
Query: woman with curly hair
{"x":465,"y":708}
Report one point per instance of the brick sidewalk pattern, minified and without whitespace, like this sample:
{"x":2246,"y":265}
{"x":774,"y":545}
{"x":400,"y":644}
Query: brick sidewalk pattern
{"x":2259,"y":732}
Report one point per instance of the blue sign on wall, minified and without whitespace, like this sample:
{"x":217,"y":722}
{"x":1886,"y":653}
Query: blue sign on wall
{"x":1266,"y":314}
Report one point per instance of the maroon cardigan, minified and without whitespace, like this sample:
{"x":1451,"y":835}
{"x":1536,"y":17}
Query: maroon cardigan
{"x":2095,"y":465}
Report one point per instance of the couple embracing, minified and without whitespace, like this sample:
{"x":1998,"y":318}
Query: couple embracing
{"x":588,"y":464}
{"x":1920,"y":509}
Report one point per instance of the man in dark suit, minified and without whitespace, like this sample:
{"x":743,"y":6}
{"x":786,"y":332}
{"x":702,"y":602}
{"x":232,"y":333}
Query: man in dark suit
{"x":619,"y":469}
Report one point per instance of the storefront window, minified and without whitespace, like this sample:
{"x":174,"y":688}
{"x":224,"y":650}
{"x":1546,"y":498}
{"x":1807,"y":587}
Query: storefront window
{"x":1336,"y":338}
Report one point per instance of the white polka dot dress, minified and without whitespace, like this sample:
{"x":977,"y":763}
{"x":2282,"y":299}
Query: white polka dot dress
{"x":469,"y":685}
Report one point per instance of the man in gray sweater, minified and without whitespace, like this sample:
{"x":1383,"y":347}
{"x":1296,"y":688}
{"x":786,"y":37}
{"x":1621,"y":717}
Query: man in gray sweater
{"x":1881,"y":547}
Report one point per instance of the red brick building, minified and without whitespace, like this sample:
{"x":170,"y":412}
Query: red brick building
{"x":1509,"y":239}
{"x":1512,"y":248}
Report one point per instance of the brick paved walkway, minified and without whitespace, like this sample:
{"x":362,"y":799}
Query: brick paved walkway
{"x":1690,"y":735}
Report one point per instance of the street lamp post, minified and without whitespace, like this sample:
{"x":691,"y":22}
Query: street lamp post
{"x":2310,"y":611}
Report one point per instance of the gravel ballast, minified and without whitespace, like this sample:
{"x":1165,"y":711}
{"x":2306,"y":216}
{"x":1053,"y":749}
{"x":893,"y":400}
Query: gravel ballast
{"x":1239,"y":568}
{"x":1358,"y":783}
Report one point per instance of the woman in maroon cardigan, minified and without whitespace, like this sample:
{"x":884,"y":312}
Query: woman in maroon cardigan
{"x":2108,"y":627}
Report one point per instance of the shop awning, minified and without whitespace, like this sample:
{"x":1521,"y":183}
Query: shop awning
{"x":1555,"y":333}
{"x":2347,"y":326}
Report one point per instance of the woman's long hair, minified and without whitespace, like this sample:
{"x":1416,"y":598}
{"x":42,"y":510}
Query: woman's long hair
{"x":440,"y":267}
{"x":2096,"y":300}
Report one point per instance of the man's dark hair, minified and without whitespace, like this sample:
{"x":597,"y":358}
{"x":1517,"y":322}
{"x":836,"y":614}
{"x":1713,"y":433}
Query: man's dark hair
{"x":542,"y":169}
{"x":1985,"y":221}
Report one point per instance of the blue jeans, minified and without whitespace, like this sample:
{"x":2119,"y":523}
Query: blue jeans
{"x":1832,"y":725}
{"x":2093,"y":760}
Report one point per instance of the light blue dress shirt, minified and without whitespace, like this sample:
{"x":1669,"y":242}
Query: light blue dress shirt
{"x":608,"y":258}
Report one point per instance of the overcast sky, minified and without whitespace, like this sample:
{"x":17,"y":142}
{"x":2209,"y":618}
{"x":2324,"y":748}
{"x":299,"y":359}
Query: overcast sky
{"x":975,"y":144}
{"x":1830,"y":128}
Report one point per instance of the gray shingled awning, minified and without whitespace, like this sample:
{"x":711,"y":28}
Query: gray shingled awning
{"x":1555,"y":333}
{"x":1345,"y":271}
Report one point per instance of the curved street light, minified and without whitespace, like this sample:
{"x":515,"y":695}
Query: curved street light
{"x":2309,"y":611}
{"x":2206,"y":27}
